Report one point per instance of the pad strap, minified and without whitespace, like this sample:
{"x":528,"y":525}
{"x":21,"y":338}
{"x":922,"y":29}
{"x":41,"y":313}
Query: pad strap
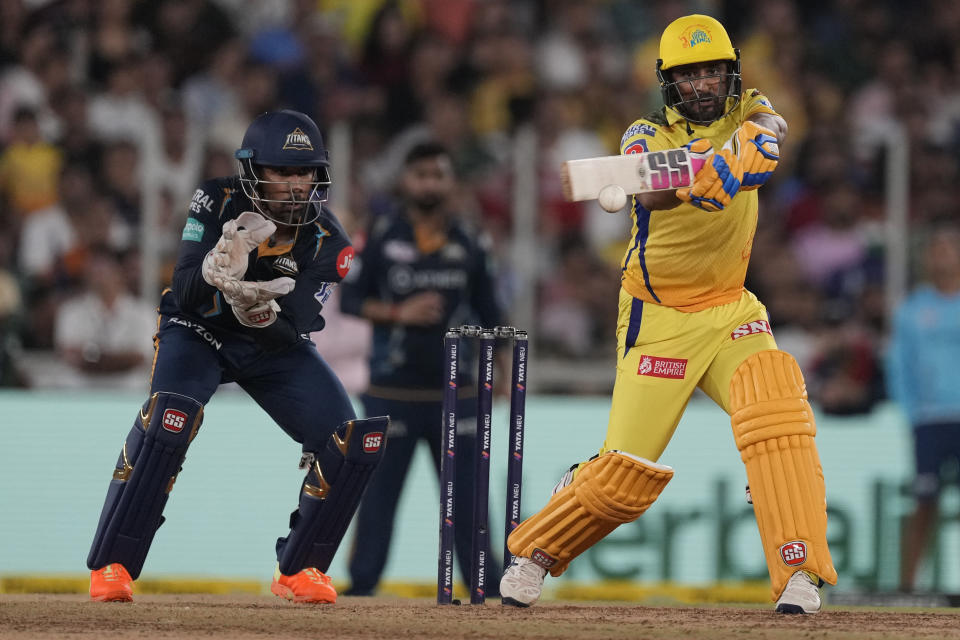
{"x":605,"y":493}
{"x":774,"y":430}
{"x":331,"y":492}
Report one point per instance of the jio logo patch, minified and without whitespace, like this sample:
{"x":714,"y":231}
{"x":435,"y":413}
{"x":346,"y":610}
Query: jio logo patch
{"x":174,"y":421}
{"x":794,"y":553}
{"x":344,"y":261}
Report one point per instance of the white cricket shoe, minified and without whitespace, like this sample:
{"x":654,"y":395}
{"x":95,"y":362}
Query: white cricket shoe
{"x":802,"y":595}
{"x":522,"y":582}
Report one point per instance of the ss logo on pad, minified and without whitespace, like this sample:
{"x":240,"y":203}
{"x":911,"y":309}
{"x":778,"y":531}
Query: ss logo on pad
{"x":174,"y":420}
{"x":372,"y":442}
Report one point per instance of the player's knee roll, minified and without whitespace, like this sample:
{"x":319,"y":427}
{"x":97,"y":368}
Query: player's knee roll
{"x":619,"y":487}
{"x":605,"y":493}
{"x":768,"y":399}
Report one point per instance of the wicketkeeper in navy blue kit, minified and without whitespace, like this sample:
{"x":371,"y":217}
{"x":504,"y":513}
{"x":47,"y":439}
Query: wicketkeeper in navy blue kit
{"x":259,"y":256}
{"x":421,"y":271}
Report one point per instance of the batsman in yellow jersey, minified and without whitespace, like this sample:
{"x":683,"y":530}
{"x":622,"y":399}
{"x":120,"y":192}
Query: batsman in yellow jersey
{"x":686,"y":321}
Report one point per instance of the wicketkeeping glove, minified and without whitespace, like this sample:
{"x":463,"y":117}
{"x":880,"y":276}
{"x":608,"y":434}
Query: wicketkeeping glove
{"x":246,"y":293}
{"x":757,"y":149}
{"x":228,"y":258}
{"x":717,"y":179}
{"x":258,"y":316}
{"x":253,"y":303}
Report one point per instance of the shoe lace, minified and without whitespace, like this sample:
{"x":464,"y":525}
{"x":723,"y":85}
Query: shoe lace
{"x":530,"y":569}
{"x":111,"y":574}
{"x":315,"y":576}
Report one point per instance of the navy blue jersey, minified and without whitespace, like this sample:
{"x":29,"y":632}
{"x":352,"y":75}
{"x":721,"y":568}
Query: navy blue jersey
{"x":318,"y":258}
{"x":391,"y":268}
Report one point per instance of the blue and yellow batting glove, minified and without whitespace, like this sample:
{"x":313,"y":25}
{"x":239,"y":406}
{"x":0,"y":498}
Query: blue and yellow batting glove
{"x":716,"y":181}
{"x":757,"y":149}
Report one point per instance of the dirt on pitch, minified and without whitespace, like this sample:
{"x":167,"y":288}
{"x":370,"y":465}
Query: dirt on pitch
{"x":242,"y":616}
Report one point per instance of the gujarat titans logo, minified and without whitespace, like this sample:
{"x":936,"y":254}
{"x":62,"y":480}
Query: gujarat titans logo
{"x":298,"y":140}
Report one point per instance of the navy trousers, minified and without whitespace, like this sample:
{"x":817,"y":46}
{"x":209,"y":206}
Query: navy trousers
{"x":294,"y":386}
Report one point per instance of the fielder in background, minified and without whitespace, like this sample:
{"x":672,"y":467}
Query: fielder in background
{"x":686,"y":321}
{"x":921,"y":374}
{"x":258,"y":258}
{"x":421,"y":271}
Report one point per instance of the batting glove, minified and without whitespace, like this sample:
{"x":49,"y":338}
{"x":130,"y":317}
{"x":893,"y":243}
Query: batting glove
{"x":757,"y":149}
{"x":228,"y":258}
{"x":717,"y":178}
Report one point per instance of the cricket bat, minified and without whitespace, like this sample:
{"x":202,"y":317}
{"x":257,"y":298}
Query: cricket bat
{"x":634,"y":173}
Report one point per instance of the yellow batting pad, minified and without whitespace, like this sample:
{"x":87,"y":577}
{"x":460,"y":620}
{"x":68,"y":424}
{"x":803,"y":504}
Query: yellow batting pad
{"x":606,"y":492}
{"x":774,"y":429}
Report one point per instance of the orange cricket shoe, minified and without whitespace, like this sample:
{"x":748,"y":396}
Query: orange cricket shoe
{"x":111,"y":583}
{"x":309,"y":585}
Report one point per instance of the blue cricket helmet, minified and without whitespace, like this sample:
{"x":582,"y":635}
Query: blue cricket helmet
{"x":284,"y":139}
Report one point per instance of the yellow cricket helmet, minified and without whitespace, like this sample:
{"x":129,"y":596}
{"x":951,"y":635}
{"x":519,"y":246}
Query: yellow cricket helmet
{"x":695,"y":39}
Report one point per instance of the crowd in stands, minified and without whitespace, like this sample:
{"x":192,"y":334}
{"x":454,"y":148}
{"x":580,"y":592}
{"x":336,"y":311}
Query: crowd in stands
{"x":104,"y":102}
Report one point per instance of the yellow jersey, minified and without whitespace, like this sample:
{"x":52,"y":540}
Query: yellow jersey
{"x":687,"y":258}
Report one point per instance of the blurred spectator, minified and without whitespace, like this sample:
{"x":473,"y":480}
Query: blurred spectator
{"x":120,"y":113}
{"x":22,"y":85}
{"x":113,"y":39}
{"x":176,"y":168}
{"x":574,"y":310}
{"x":837,"y":242}
{"x":921,"y":364}
{"x":12,"y":18}
{"x":874,"y":107}
{"x":121,"y":180}
{"x":54,"y":247}
{"x":157,"y":88}
{"x":48,"y":235}
{"x":217,"y":161}
{"x":29,"y":166}
{"x":794,"y":306}
{"x":446,"y":122}
{"x":257,"y":94}
{"x":211,"y":91}
{"x":11,"y":315}
{"x":104,"y":333}
{"x":845,"y":375}
{"x":385,"y":63}
{"x":77,"y":141}
{"x":185,"y":31}
{"x":559,"y":121}
{"x":505,"y":92}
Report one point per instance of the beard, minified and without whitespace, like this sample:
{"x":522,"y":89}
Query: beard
{"x":706,"y":108}
{"x":428,"y":202}
{"x":291,"y":211}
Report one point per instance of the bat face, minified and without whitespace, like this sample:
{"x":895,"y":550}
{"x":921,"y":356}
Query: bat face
{"x":635,"y":173}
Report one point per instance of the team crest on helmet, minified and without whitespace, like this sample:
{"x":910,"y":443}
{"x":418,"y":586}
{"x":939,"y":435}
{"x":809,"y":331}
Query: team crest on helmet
{"x":696,"y":35}
{"x":298,"y":141}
